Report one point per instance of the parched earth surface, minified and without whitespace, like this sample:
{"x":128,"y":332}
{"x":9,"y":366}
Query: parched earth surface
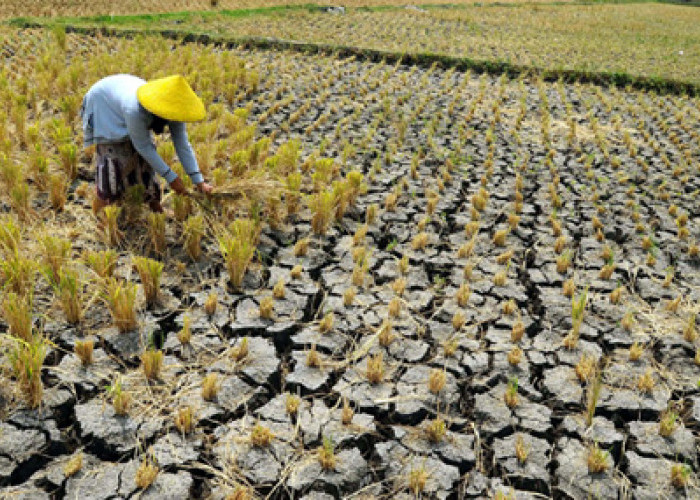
{"x":507,"y":180}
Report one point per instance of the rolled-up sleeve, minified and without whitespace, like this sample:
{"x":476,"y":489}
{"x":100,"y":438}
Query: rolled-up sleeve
{"x":141,"y":139}
{"x":184,"y":151}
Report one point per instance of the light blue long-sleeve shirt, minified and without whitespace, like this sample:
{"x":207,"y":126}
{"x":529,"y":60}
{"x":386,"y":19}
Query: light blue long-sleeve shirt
{"x":112,"y":113}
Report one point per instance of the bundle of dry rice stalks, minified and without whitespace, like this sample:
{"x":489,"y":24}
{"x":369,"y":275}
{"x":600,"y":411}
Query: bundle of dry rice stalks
{"x":238,"y":194}
{"x":247,"y":189}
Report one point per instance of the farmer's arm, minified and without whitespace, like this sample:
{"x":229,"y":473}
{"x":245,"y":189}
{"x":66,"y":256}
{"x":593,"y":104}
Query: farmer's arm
{"x":183,"y":148}
{"x":141,"y":139}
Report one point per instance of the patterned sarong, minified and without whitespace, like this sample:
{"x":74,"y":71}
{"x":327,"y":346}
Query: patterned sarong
{"x":119,"y":167}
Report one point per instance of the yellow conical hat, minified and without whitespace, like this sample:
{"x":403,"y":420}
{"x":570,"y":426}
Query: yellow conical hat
{"x":171,"y":98}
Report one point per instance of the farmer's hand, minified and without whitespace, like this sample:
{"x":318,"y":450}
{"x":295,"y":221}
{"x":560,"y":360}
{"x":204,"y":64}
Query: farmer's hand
{"x":204,"y":187}
{"x":178,"y":186}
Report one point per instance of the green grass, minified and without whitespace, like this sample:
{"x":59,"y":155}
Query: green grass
{"x":140,"y":20}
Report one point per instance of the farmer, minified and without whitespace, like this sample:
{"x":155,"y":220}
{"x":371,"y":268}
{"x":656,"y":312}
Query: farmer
{"x":119,"y":112}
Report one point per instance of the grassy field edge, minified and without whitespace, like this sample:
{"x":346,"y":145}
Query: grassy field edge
{"x":604,"y":78}
{"x":245,"y":12}
{"x":118,"y":20}
{"x":113,"y":20}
